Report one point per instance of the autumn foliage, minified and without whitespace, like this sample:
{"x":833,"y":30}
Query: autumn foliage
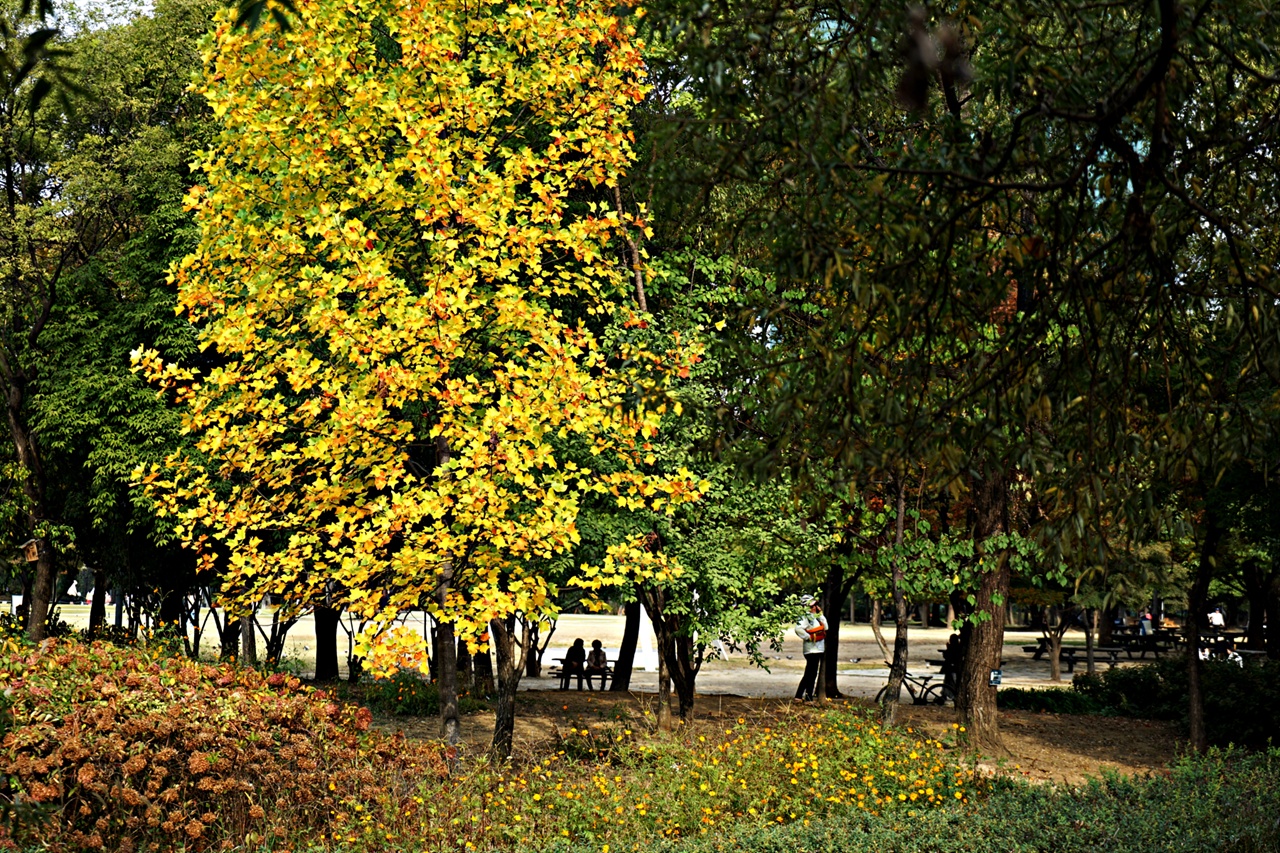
{"x":136,"y":749}
{"x":407,"y":284}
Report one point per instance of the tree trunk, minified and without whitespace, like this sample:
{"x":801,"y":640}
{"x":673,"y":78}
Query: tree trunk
{"x":1090,"y":623}
{"x":465,"y":670}
{"x":248,"y":640}
{"x":42,"y":593}
{"x":1107,"y":626}
{"x":482,"y":669}
{"x":683,"y":676}
{"x":876,"y":617}
{"x":1197,"y":601}
{"x":621,"y":682}
{"x":975,"y":695}
{"x":502,"y":637}
{"x":893,"y":690}
{"x":834,"y":592}
{"x":450,"y":726}
{"x":664,"y":692}
{"x":675,"y":652}
{"x":326,"y":619}
{"x":1273,"y":614}
{"x":1257,"y":585}
{"x":98,"y":609}
{"x":40,"y":600}
{"x":228,"y":636}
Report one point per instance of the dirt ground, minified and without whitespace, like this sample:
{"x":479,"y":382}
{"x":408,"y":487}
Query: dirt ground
{"x":1042,"y":747}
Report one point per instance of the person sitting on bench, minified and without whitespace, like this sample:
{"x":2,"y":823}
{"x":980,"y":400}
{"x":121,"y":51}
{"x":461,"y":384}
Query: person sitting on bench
{"x":574,"y":662}
{"x":597,"y":665}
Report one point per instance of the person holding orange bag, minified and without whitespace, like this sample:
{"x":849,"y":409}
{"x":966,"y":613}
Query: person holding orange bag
{"x":812,"y":628}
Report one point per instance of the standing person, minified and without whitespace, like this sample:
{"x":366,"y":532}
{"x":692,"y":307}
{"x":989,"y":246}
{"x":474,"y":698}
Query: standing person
{"x":597,"y":665}
{"x":1145,"y":622}
{"x":574,"y":664}
{"x":1216,"y":620}
{"x":812,"y":628}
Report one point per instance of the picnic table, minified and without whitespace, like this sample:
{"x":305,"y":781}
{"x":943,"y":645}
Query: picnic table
{"x":1071,"y":655}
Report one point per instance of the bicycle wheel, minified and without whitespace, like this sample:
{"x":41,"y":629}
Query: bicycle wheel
{"x":939,"y":694}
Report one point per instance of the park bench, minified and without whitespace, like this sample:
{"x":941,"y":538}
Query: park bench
{"x":1071,"y":655}
{"x":557,"y":671}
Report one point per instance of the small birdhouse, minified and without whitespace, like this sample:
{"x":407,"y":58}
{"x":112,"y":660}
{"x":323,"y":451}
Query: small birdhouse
{"x":31,"y":549}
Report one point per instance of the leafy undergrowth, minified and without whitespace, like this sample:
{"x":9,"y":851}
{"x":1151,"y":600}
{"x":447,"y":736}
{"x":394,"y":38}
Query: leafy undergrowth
{"x":135,"y":749}
{"x":1241,"y":703}
{"x":128,"y":749}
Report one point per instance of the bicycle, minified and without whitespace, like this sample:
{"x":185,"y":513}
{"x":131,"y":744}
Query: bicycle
{"x":922,"y":692}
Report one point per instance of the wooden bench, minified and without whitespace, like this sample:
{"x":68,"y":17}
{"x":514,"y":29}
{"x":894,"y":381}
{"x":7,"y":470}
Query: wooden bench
{"x":557,"y":671}
{"x":1071,"y":655}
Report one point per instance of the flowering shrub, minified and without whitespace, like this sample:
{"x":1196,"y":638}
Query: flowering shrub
{"x":127,"y":748}
{"x":609,"y":785}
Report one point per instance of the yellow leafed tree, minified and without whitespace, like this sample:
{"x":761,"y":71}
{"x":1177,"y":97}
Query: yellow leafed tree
{"x":388,"y":261}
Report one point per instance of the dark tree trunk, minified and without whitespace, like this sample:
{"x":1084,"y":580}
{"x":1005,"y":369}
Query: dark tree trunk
{"x":1257,"y":585}
{"x":170,"y":615}
{"x":1197,"y":601}
{"x":482,"y":670}
{"x":898,"y":669}
{"x":1107,"y":626}
{"x":249,"y":640}
{"x":621,"y":682}
{"x":462,"y":656}
{"x":877,"y":616}
{"x":228,"y":638}
{"x":682,"y":663}
{"x":98,"y":609}
{"x":42,"y":593}
{"x":326,"y":619}
{"x":1273,"y":614}
{"x":503,"y":639}
{"x":975,"y":695}
{"x":834,"y":591}
{"x":450,"y":726}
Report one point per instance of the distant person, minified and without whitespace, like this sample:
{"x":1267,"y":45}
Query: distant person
{"x":812,"y":628}
{"x":574,"y":664}
{"x":1144,"y":625}
{"x":1216,"y":620}
{"x":952,"y":657}
{"x":597,"y":665}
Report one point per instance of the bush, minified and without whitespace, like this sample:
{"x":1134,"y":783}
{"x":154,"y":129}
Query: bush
{"x":407,"y":694}
{"x":1242,"y":705}
{"x":1050,"y":701}
{"x":129,"y":749}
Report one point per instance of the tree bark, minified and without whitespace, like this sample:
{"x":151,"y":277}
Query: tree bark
{"x":450,"y":726}
{"x":834,"y":592}
{"x":898,"y":669}
{"x":326,"y":619}
{"x":502,"y":637}
{"x":675,"y":650}
{"x":248,"y":640}
{"x":984,"y":636}
{"x":876,"y":618}
{"x":1197,"y":602}
{"x":482,"y":674}
{"x":664,"y":691}
{"x":621,"y":681}
{"x":98,"y":609}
